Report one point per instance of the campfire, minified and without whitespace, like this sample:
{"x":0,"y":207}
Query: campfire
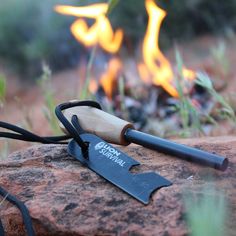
{"x":151,"y":93}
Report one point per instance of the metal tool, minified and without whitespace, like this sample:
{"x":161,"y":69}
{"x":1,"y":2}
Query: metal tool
{"x":175,"y":149}
{"x":106,"y":160}
{"x":114,"y":130}
{"x":114,"y":165}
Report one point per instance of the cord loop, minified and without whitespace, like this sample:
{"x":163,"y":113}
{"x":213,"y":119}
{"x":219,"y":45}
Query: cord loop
{"x":74,"y":131}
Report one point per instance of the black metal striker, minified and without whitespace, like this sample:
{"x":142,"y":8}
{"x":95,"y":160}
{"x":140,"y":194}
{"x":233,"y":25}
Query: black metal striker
{"x":179,"y":150}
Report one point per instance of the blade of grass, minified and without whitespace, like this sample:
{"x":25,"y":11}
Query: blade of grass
{"x":204,"y":81}
{"x":49,"y":100}
{"x":111,"y":5}
{"x":5,"y":150}
{"x":4,"y":199}
{"x":219,"y":56}
{"x":121,"y":87}
{"x":85,"y":92}
{"x":190,"y":117}
{"x":3,"y":88}
{"x":206,"y":214}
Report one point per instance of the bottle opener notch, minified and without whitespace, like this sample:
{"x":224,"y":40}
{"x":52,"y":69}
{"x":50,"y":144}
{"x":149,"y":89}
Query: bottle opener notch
{"x":114,"y":165}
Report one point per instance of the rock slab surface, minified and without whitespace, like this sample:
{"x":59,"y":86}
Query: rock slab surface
{"x":65,"y":198}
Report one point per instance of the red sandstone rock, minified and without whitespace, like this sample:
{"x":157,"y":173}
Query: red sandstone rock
{"x":65,"y":198}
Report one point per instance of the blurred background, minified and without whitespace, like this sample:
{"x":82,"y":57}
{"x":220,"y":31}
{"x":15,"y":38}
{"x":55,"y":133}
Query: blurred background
{"x":32,"y":31}
{"x":42,"y":64}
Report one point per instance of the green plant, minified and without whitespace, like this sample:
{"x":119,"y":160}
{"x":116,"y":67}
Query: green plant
{"x":50,"y":103}
{"x":219,"y":56}
{"x":4,"y":150}
{"x":2,"y":201}
{"x":226,"y":111}
{"x":85,"y":93}
{"x":121,"y":89}
{"x":3,"y":85}
{"x":206,"y":213}
{"x":189,"y":115}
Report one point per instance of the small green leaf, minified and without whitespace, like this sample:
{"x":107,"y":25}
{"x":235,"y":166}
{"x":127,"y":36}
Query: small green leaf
{"x":3,"y":86}
{"x":226,"y":110}
{"x":204,"y":80}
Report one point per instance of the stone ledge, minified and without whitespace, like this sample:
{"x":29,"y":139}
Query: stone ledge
{"x":65,"y":198}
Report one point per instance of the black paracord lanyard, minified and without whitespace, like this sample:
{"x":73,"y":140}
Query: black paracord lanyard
{"x":74,"y":130}
{"x":23,"y":209}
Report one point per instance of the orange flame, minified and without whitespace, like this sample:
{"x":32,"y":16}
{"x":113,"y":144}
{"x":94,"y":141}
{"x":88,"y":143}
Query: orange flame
{"x":189,"y":74}
{"x":156,"y":68}
{"x":109,"y":77}
{"x":144,"y":73}
{"x":100,"y":32}
{"x":93,"y":86}
{"x":156,"y":63}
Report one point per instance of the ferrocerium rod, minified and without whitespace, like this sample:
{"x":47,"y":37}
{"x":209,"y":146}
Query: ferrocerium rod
{"x":115,"y":130}
{"x":175,"y":149}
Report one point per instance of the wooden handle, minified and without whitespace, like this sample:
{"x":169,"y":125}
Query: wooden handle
{"x":95,"y":121}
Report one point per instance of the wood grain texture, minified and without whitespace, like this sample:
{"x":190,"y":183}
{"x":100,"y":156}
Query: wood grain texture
{"x":100,"y":123}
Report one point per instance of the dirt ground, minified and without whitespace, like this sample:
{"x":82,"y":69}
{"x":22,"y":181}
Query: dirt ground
{"x":24,"y":102}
